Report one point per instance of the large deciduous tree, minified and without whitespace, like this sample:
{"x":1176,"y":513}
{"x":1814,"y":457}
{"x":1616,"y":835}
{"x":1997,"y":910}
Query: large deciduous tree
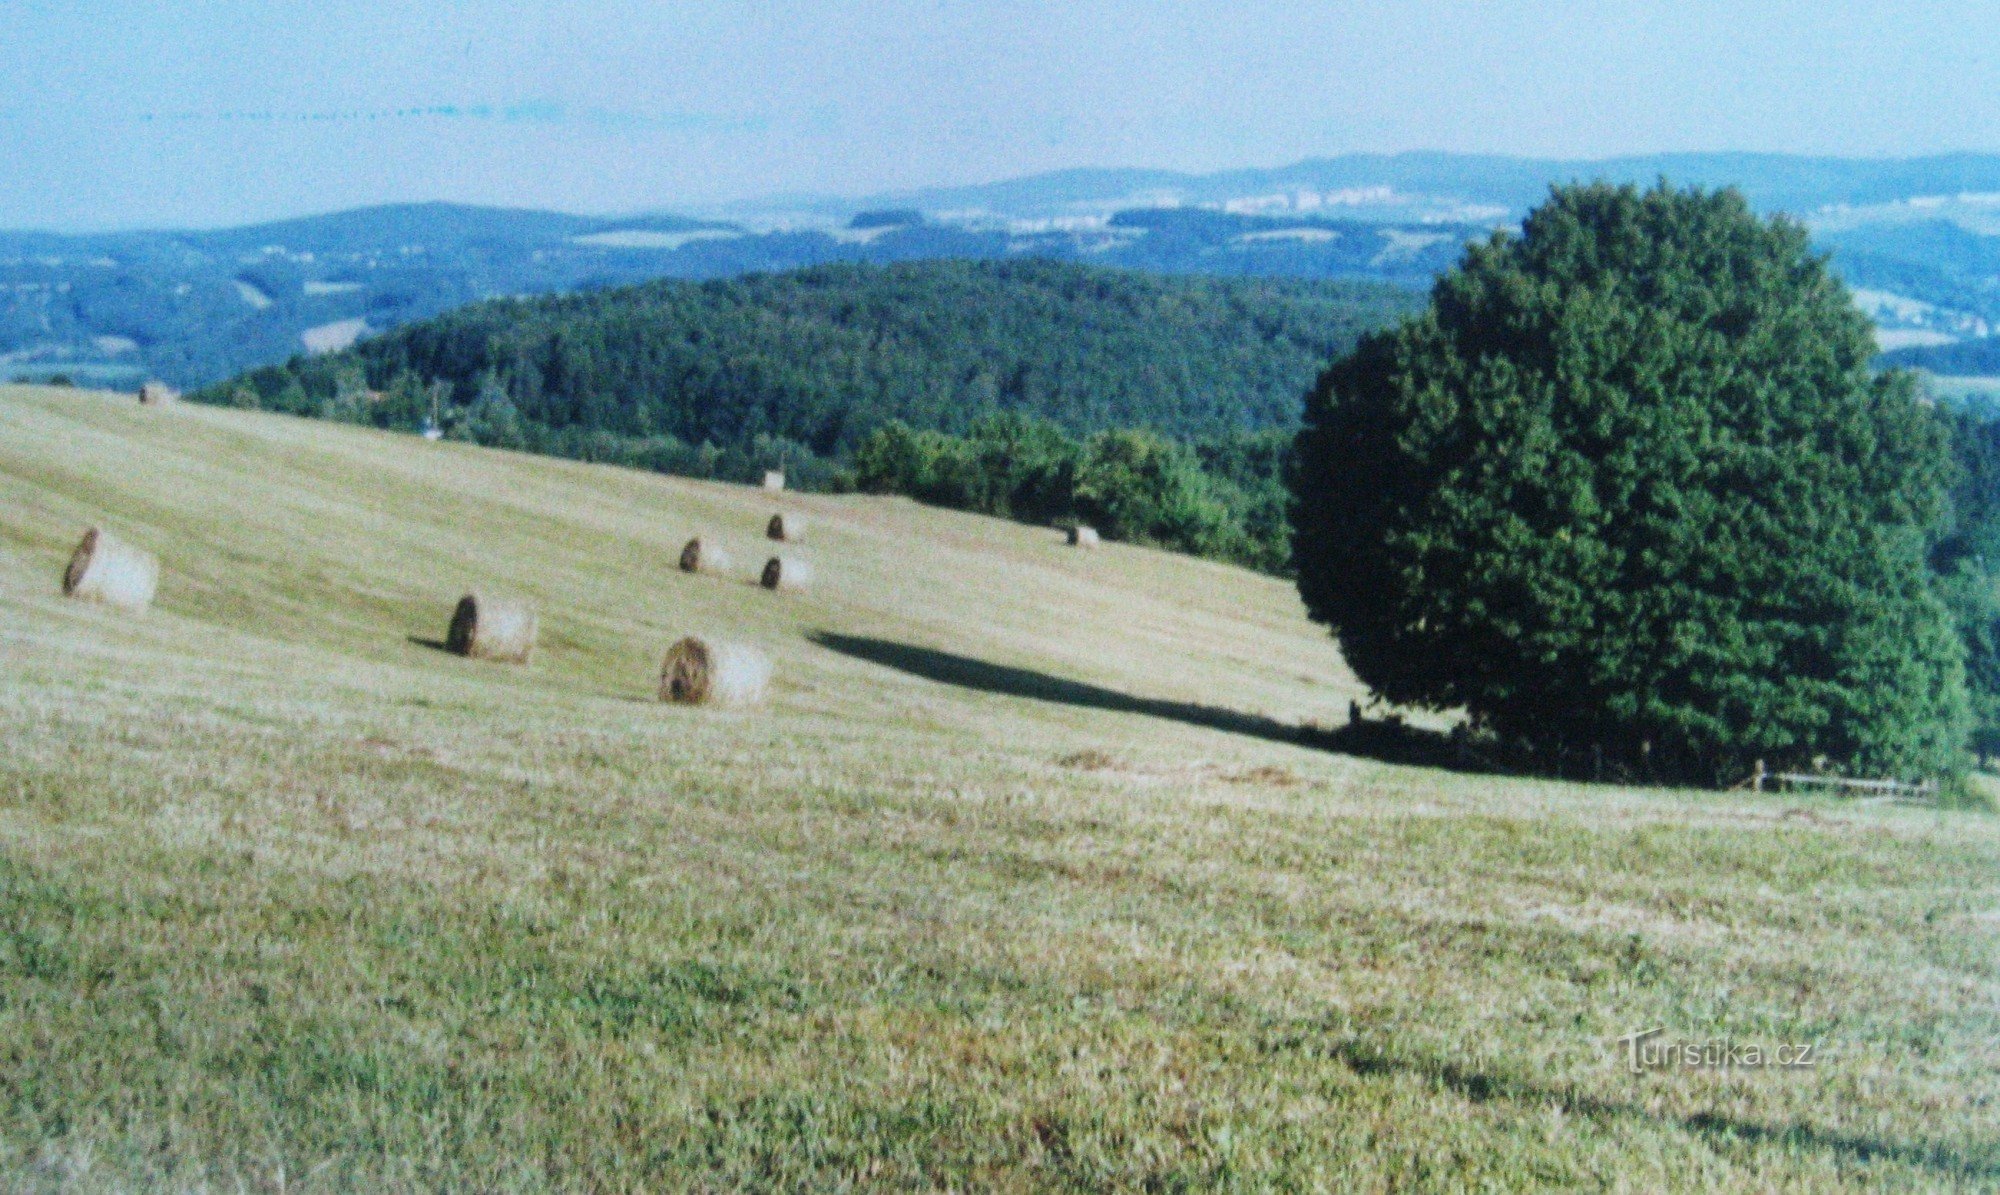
{"x":1629,"y":485}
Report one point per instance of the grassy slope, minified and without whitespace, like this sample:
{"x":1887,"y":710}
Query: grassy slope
{"x":999,"y":889}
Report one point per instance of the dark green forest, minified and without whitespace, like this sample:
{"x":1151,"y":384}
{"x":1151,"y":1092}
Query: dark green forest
{"x":1156,"y":406}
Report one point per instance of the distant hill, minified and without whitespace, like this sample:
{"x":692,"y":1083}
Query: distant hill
{"x":1918,"y":238}
{"x":1967,"y":358}
{"x":194,"y":307}
{"x":811,"y":361}
{"x":1411,"y":185}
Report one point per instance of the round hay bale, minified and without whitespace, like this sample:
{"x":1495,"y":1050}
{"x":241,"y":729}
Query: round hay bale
{"x":774,"y":479}
{"x":785,"y":528}
{"x":157,"y":394}
{"x":700,"y":672}
{"x":699,"y":557}
{"x":780,"y":573}
{"x":1083,"y":537}
{"x":106,"y":569}
{"x":490,"y":628}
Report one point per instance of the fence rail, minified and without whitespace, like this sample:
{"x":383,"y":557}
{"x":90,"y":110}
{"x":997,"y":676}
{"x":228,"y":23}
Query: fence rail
{"x":1759,"y":779}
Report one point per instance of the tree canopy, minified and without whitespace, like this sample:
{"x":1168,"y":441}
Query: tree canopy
{"x":1629,"y":484}
{"x":820,"y":358}
{"x":1222,"y":498}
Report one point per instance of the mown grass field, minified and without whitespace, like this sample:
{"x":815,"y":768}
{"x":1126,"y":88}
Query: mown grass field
{"x":1017,"y":882}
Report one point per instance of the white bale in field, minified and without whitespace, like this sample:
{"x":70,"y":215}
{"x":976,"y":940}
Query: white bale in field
{"x":484,"y":627}
{"x":106,"y":569}
{"x":700,"y":556}
{"x":1083,"y":537}
{"x":703,"y":672}
{"x":781,"y":573}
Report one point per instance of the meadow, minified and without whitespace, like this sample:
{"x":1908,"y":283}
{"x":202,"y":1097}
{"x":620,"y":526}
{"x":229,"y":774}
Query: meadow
{"x":1024,"y":877}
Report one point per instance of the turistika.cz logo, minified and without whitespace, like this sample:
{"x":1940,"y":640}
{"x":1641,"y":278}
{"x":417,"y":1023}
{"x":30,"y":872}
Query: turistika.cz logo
{"x":1645,"y":1051}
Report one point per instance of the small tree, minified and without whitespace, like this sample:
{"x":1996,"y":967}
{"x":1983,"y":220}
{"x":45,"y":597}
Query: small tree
{"x":492,"y":419}
{"x":1029,"y":465}
{"x":892,"y":460}
{"x":1140,"y":486}
{"x":1629,"y":483}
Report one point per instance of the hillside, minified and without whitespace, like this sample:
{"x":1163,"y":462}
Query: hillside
{"x":1430,"y":185}
{"x":1020,"y":879}
{"x":816,"y":359}
{"x":195,"y":306}
{"x":1967,"y":358}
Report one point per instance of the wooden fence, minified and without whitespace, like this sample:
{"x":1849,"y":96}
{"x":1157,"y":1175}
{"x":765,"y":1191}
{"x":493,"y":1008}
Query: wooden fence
{"x":1901,"y":790}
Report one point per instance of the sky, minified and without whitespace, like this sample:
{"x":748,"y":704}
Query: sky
{"x":197,"y":114}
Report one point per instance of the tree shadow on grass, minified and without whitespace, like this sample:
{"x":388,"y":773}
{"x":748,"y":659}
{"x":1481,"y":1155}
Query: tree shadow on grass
{"x":427,"y":641}
{"x":1390,"y":742}
{"x":1977,"y":1165}
{"x":1401,"y":744}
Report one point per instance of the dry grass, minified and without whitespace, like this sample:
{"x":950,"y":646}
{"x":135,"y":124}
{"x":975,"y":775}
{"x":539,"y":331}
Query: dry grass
{"x":1013,"y":883}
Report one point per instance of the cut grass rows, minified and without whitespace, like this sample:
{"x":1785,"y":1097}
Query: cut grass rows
{"x":290,"y":901}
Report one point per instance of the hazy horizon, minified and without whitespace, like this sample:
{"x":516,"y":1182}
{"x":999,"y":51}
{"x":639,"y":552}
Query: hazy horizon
{"x":773,"y":199}
{"x":117,"y":115}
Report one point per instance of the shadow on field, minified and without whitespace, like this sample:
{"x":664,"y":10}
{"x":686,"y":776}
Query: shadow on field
{"x":427,"y":641}
{"x":1390,"y":742}
{"x":1980,"y":1165}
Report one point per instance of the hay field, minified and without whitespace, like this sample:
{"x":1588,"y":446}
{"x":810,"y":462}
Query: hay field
{"x":1016,"y":880}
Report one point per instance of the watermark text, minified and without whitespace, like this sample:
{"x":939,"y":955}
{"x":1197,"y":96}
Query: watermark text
{"x":1650,"y":1050}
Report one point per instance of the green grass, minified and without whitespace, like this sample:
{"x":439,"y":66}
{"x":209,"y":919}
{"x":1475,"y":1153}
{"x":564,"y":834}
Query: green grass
{"x":1016,"y":882}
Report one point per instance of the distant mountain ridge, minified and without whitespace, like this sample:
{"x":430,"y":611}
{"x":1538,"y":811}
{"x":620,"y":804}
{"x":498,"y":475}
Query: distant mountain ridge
{"x":1774,"y":182}
{"x":1918,"y":238}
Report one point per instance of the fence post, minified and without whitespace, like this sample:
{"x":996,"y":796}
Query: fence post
{"x":1757,"y":777}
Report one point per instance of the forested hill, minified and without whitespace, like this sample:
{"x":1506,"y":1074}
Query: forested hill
{"x":816,"y":359}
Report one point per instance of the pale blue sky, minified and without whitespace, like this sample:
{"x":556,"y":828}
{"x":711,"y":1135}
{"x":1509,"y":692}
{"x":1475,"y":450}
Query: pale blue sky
{"x":124,"y":114}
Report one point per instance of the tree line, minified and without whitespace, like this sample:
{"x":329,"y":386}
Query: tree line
{"x":1222,"y":497}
